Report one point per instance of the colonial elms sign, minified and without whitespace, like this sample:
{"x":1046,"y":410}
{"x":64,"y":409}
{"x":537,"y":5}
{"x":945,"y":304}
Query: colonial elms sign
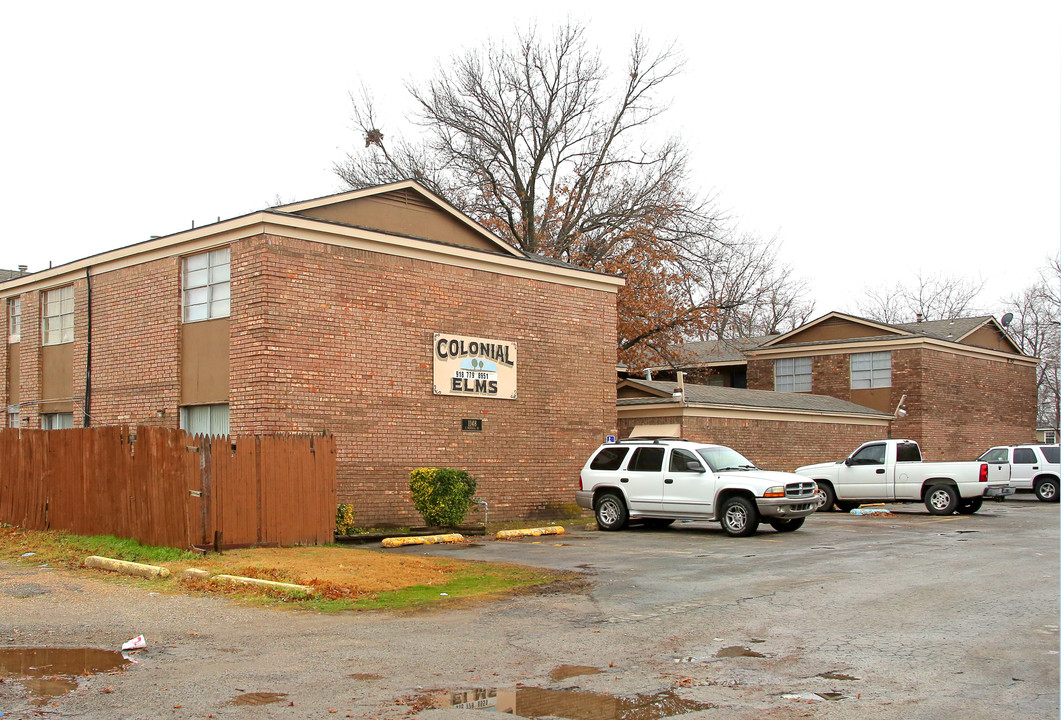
{"x":474,"y":366}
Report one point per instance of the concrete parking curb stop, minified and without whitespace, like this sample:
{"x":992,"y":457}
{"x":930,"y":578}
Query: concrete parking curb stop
{"x":262,"y":583}
{"x":422,"y":540}
{"x":125,"y":567}
{"x":531,"y":532}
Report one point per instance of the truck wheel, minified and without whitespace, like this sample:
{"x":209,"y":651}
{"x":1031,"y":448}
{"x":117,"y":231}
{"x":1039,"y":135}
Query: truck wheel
{"x":830,"y":497}
{"x":739,"y":516}
{"x":970,"y":506}
{"x":786,"y":525}
{"x":611,"y":512}
{"x":1046,"y":490}
{"x":942,"y":500}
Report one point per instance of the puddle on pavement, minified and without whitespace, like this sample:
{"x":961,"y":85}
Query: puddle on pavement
{"x":838,"y":676}
{"x":570,"y":704}
{"x":364,"y":676}
{"x":737,"y":651}
{"x":53,"y":672}
{"x":258,"y":698}
{"x":569,"y":671}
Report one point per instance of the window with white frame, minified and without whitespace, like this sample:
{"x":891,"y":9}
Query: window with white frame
{"x":205,"y":419}
{"x":13,"y":417}
{"x":57,"y":314}
{"x":57,"y":421}
{"x":871,"y":370}
{"x":206,"y":285}
{"x":14,"y":320}
{"x":792,"y":374}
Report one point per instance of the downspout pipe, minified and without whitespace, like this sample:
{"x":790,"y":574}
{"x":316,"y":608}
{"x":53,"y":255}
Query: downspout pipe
{"x":87,"y":407}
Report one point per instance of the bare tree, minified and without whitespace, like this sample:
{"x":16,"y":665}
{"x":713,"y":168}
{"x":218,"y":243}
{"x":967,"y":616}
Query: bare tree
{"x":754,"y":292}
{"x":532,"y":141}
{"x":929,"y":297}
{"x":1036,"y":330}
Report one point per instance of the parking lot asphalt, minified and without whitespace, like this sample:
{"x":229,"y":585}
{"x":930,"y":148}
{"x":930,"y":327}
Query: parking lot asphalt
{"x":901,"y":616}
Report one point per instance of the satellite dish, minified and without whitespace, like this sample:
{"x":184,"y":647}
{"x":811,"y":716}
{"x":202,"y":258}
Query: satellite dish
{"x":1007,"y":319}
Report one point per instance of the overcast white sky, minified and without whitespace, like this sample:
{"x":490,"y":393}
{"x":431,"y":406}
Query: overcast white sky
{"x":874,"y":139}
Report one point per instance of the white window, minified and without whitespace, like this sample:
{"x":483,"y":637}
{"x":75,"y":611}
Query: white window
{"x":871,"y":370}
{"x":58,"y":313}
{"x":1050,"y":436}
{"x":57,"y":421}
{"x":14,"y":320}
{"x":12,"y":416}
{"x":206,"y":285}
{"x":792,"y":375}
{"x":205,"y":419}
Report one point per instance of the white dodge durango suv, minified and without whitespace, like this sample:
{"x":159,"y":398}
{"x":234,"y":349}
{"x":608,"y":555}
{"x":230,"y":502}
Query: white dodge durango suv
{"x":660,"y":480}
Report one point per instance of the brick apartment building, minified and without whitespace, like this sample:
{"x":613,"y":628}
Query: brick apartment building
{"x":964,"y":385}
{"x":384,"y":316}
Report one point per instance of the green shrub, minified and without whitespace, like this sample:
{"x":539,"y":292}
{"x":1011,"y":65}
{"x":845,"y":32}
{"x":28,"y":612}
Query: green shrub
{"x":442,"y":496}
{"x":344,"y":519}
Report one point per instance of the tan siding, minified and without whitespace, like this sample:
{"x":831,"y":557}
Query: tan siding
{"x":12,"y":363}
{"x":833,"y":329}
{"x":404,"y":213}
{"x":988,"y":337}
{"x":204,"y":362}
{"x":57,"y":378}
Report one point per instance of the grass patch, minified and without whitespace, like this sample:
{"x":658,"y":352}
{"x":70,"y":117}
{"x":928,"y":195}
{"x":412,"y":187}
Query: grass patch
{"x":343,"y":578}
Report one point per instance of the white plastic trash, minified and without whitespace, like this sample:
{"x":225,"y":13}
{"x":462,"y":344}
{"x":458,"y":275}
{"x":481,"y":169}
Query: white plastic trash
{"x":137,"y":643}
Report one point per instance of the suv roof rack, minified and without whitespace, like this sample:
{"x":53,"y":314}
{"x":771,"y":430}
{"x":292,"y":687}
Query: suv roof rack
{"x":653,"y":439}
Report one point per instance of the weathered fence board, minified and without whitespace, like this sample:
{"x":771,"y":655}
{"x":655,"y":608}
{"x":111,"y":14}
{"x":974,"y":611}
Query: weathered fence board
{"x":163,"y":487}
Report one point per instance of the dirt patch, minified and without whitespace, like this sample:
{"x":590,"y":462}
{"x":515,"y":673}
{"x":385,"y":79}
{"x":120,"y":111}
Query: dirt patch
{"x":360,"y":570}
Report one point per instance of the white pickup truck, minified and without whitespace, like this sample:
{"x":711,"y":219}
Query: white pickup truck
{"x":892,"y":471}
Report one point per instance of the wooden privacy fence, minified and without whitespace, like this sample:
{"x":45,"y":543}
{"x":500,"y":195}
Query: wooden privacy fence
{"x":164,"y":487}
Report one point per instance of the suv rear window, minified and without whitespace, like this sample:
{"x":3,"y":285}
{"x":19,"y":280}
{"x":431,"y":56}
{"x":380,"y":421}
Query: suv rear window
{"x":1052,"y":453}
{"x":610,"y":458}
{"x":647,"y":459}
{"x":1024,"y":456}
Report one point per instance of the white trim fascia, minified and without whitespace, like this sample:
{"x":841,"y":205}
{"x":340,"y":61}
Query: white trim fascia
{"x":733,"y":412}
{"x":836,"y":314}
{"x":903,"y":343}
{"x":313,"y":230}
{"x":392,"y":187}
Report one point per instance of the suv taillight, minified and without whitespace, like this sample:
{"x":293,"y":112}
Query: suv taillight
{"x":580,"y":482}
{"x":983,"y":472}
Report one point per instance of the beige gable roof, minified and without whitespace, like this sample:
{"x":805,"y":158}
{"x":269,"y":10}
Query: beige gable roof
{"x":835,"y":326}
{"x":405,"y":208}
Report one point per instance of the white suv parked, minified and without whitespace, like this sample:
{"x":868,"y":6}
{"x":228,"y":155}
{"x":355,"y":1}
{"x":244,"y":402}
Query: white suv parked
{"x":658,"y":481}
{"x":1030,"y":467}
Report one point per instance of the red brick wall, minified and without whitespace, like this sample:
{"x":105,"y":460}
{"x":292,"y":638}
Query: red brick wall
{"x":958,"y":406}
{"x":340,"y":339}
{"x":29,"y":365}
{"x":965,"y":405}
{"x":772,"y":444}
{"x":136,"y":315}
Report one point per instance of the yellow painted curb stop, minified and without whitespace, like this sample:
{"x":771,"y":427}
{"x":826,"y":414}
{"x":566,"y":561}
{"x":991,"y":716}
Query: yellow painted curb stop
{"x":422,"y":540}
{"x":125,"y":567}
{"x":530,"y":532}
